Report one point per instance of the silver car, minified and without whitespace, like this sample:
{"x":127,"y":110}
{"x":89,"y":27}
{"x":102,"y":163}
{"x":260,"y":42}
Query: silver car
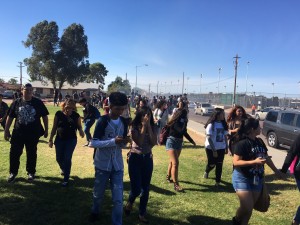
{"x":261,"y":114}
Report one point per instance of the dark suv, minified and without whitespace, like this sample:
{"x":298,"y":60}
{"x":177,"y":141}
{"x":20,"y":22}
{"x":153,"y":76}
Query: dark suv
{"x":281,"y":127}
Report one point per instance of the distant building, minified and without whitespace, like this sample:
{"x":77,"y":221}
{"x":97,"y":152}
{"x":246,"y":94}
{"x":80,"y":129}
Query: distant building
{"x":47,"y":91}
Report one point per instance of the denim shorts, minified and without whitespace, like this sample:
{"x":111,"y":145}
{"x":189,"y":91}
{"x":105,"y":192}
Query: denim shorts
{"x":174,"y":143}
{"x":242,"y":183}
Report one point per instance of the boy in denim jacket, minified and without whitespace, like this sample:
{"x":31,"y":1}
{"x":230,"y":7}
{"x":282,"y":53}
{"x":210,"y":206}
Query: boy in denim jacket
{"x":108,"y":141}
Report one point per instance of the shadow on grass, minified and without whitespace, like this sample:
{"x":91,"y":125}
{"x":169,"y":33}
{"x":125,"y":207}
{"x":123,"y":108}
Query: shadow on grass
{"x":186,"y":146}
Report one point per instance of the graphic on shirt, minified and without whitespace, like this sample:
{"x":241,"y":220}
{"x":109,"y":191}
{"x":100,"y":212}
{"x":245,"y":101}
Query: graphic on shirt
{"x":220,"y":134}
{"x":26,"y":114}
{"x":259,"y":151}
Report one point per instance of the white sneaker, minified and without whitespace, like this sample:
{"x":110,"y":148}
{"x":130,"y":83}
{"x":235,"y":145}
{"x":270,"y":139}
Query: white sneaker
{"x":205,"y":175}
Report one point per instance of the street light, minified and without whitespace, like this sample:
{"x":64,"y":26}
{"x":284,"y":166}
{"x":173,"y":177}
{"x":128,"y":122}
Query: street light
{"x":247,"y":76}
{"x":273,"y":93}
{"x":187,"y":85}
{"x":200,"y":82}
{"x":219,"y":80}
{"x":136,"y":74}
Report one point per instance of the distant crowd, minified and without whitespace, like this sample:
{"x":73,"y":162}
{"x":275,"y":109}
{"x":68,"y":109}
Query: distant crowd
{"x":157,"y":121}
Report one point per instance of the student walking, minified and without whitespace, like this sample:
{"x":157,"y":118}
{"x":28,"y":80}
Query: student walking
{"x":250,"y":155}
{"x":236,"y":115}
{"x":90,"y":114}
{"x":178,"y":129}
{"x":140,"y":163}
{"x":294,"y":154}
{"x":66,"y":122}
{"x":216,"y":143}
{"x":3,"y":111}
{"x":27,"y":112}
{"x":109,"y":137}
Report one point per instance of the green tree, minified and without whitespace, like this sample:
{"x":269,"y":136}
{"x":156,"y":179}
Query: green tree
{"x":12,"y":81}
{"x":2,"y":80}
{"x":97,"y":73}
{"x":119,"y":85}
{"x":57,"y":60}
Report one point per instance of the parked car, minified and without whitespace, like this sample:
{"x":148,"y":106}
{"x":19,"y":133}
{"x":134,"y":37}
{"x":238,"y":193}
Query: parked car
{"x":261,"y":114}
{"x":281,"y":127}
{"x":8,"y":94}
{"x":192,"y":105}
{"x":204,"y":109}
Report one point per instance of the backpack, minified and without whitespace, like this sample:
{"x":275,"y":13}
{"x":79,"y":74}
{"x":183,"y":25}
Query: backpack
{"x":164,"y":134}
{"x":103,"y":122}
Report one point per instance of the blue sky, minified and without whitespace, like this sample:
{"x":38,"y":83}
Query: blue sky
{"x":173,"y":37}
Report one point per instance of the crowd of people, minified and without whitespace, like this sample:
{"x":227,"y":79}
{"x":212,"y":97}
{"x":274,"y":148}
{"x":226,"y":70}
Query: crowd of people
{"x":235,"y":135}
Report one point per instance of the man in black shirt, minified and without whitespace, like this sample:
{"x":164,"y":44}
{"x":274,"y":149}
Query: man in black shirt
{"x":90,"y":114}
{"x":27,"y":112}
{"x":3,"y":111}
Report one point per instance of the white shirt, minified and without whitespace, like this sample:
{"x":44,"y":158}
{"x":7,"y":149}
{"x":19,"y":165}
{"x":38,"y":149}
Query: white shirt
{"x":217,"y":134}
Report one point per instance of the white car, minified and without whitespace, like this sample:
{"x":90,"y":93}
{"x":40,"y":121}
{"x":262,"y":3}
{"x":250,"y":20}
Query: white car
{"x":192,"y":105}
{"x":261,"y":114}
{"x":204,"y":109}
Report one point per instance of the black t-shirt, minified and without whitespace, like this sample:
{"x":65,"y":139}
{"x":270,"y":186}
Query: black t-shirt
{"x":67,"y":125}
{"x":27,"y":115}
{"x":3,"y":109}
{"x":250,"y":150}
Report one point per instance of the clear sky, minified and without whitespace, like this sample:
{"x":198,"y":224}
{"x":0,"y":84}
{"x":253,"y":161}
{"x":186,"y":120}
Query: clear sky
{"x":173,"y":37}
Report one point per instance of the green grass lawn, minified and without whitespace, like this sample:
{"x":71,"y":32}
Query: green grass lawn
{"x":45,"y":202}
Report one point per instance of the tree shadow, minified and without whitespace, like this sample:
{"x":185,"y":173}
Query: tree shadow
{"x":185,"y":146}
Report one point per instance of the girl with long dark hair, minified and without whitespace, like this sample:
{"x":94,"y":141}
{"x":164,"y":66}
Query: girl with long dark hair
{"x":236,"y":115}
{"x":250,"y":155}
{"x":178,"y":129}
{"x":216,"y":143}
{"x":140,"y":162}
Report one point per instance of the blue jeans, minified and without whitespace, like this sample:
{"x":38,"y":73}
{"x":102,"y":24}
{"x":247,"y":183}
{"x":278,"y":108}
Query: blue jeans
{"x":116,"y":186}
{"x":140,"y":168}
{"x":64,"y":151}
{"x":87,"y":126}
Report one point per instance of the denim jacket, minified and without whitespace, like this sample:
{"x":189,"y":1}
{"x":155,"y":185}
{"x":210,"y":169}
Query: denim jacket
{"x":108,"y":155}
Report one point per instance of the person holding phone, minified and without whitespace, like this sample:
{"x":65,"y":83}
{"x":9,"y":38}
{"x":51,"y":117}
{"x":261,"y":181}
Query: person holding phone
{"x":250,"y":156}
{"x":140,"y":162}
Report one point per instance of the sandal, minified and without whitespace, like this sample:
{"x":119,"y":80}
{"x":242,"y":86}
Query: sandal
{"x":169,"y":180}
{"x":177,"y":187}
{"x":127,"y":208}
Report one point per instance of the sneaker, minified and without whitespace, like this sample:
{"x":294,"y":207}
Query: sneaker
{"x":11,"y":178}
{"x":31,"y":177}
{"x":62,"y":173}
{"x":169,"y":179}
{"x":64,"y":184}
{"x":205,"y":175}
{"x":93,"y":217}
{"x":85,"y":145}
{"x":217,"y":184}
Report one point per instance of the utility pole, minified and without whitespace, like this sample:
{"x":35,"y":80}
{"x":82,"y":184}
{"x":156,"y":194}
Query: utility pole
{"x":21,"y":66}
{"x":235,"y":76}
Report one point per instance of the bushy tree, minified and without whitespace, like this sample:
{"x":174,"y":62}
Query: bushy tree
{"x":2,"y":80}
{"x":12,"y":81}
{"x":119,"y":85}
{"x":61,"y":60}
